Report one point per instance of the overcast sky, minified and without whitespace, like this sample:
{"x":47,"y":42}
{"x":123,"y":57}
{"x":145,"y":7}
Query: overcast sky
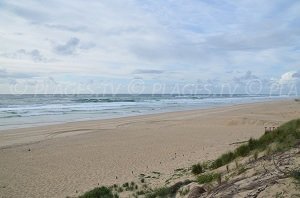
{"x":55,"y":46}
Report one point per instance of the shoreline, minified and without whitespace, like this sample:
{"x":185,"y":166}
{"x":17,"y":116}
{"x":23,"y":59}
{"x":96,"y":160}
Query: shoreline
{"x":13,"y":126}
{"x":34,"y":125}
{"x":118,"y":119}
{"x":69,"y":159}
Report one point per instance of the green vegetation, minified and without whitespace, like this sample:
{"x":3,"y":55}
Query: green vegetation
{"x":128,"y":187}
{"x":115,"y":186}
{"x":125,"y":185}
{"x":120,"y":189}
{"x":164,"y":192}
{"x":100,"y":192}
{"x":242,"y":150}
{"x":283,"y":137}
{"x":208,"y":177}
{"x":219,"y":178}
{"x":224,"y":159}
{"x":227,"y":168}
{"x":197,"y":169}
{"x":241,"y":170}
{"x":255,"y":155}
{"x":296,"y":175}
{"x":159,"y":192}
{"x":141,"y":192}
{"x":237,"y":165}
{"x":279,"y":195}
{"x":184,"y":192}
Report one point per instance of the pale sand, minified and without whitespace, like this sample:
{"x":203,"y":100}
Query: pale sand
{"x":77,"y":156}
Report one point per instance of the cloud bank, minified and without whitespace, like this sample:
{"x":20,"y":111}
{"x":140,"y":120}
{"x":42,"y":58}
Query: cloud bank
{"x":158,"y":41}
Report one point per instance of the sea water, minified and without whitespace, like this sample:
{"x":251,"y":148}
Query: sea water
{"x":18,"y":111}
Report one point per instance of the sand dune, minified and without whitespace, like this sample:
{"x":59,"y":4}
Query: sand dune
{"x":68,"y":159}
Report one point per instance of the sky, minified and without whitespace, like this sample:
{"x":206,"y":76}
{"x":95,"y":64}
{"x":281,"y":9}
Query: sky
{"x":143,"y":46}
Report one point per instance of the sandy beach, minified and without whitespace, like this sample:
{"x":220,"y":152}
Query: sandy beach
{"x":69,"y":159}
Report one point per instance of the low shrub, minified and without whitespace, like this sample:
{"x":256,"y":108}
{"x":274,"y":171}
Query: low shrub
{"x":296,"y":175}
{"x":197,"y":169}
{"x":141,"y":192}
{"x":99,"y":192}
{"x":159,"y":192}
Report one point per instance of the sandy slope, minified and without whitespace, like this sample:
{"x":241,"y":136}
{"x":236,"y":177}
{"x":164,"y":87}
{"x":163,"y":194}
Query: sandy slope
{"x":74,"y":157}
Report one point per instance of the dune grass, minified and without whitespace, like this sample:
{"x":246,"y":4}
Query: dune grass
{"x":296,"y":175}
{"x":197,"y":169}
{"x":208,"y":177}
{"x":159,"y":192}
{"x":284,"y":137}
{"x":99,"y":192}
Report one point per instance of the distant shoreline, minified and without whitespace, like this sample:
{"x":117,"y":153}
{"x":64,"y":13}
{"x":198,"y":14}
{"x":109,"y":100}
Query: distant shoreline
{"x":37,"y":121}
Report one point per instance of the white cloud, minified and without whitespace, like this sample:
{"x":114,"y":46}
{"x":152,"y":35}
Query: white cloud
{"x":178,"y":40}
{"x":290,"y":77}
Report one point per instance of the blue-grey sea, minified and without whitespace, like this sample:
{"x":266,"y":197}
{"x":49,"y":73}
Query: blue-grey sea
{"x":18,"y":111}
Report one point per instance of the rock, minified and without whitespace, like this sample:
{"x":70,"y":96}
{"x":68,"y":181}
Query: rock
{"x":196,"y":192}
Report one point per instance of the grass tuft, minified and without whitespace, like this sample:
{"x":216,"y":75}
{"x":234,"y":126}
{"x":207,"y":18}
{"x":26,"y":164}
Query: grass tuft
{"x":197,"y":169}
{"x":159,"y":192}
{"x":99,"y":192}
{"x":255,"y":155}
{"x":184,"y":192}
{"x":296,"y":175}
{"x":208,"y":177}
{"x":242,"y":151}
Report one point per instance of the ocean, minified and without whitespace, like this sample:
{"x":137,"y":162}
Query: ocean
{"x":19,"y":111}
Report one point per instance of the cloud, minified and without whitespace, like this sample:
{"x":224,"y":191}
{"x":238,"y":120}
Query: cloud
{"x":52,"y":80}
{"x":68,"y":48}
{"x":196,"y":39}
{"x":15,"y":75}
{"x":88,"y":45}
{"x":147,"y":71}
{"x":65,"y":27}
{"x":34,"y":55}
{"x":138,"y":78}
{"x":248,"y":41}
{"x":3,"y":73}
{"x":24,"y":10}
{"x":245,"y":78}
{"x":289,"y":77}
{"x":296,"y":75}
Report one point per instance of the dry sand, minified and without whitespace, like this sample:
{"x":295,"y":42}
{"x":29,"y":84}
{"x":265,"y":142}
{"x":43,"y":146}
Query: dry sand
{"x":60,"y":160}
